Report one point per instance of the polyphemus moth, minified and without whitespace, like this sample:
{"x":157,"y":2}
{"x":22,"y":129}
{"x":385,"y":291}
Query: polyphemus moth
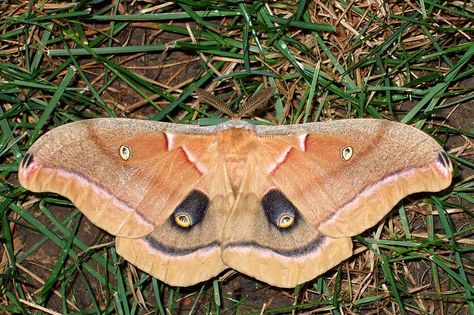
{"x":277,"y":203}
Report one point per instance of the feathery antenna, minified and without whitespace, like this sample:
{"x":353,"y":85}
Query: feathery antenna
{"x":214,"y":101}
{"x":252,"y":103}
{"x":256,"y":101}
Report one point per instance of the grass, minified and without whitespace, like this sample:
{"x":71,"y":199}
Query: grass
{"x":405,"y":61}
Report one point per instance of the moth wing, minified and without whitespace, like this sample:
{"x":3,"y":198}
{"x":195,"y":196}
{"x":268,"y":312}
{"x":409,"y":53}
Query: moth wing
{"x":86,"y":161}
{"x":334,"y":180}
{"x":284,"y":257}
{"x":186,"y":256}
{"x":345,"y":176}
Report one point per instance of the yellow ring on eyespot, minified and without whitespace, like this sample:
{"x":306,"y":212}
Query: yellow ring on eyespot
{"x":346,"y":153}
{"x":183,"y":220}
{"x":286,"y":221}
{"x":125,"y":152}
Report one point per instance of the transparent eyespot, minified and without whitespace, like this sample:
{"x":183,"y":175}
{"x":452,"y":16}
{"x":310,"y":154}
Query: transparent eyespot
{"x":286,"y":221}
{"x":183,"y":220}
{"x":125,"y":152}
{"x":346,"y":153}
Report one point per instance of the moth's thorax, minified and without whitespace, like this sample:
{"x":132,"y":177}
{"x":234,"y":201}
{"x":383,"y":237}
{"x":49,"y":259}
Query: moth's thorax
{"x":235,"y":146}
{"x":230,"y":149}
{"x":236,"y":141}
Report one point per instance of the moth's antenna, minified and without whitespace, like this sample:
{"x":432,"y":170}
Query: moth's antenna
{"x":256,"y":101}
{"x":214,"y":101}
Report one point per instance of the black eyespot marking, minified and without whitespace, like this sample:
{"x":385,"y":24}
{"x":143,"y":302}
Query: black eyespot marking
{"x":27,"y":159}
{"x":191,"y":211}
{"x":444,"y":159}
{"x":279,"y":210}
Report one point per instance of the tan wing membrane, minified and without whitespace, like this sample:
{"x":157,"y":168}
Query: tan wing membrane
{"x":276,"y":203}
{"x":185,"y":254}
{"x":82,"y":162}
{"x":345,"y":197}
{"x":260,"y":243}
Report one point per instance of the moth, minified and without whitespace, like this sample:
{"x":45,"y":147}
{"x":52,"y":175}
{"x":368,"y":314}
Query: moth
{"x":278,"y":203}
